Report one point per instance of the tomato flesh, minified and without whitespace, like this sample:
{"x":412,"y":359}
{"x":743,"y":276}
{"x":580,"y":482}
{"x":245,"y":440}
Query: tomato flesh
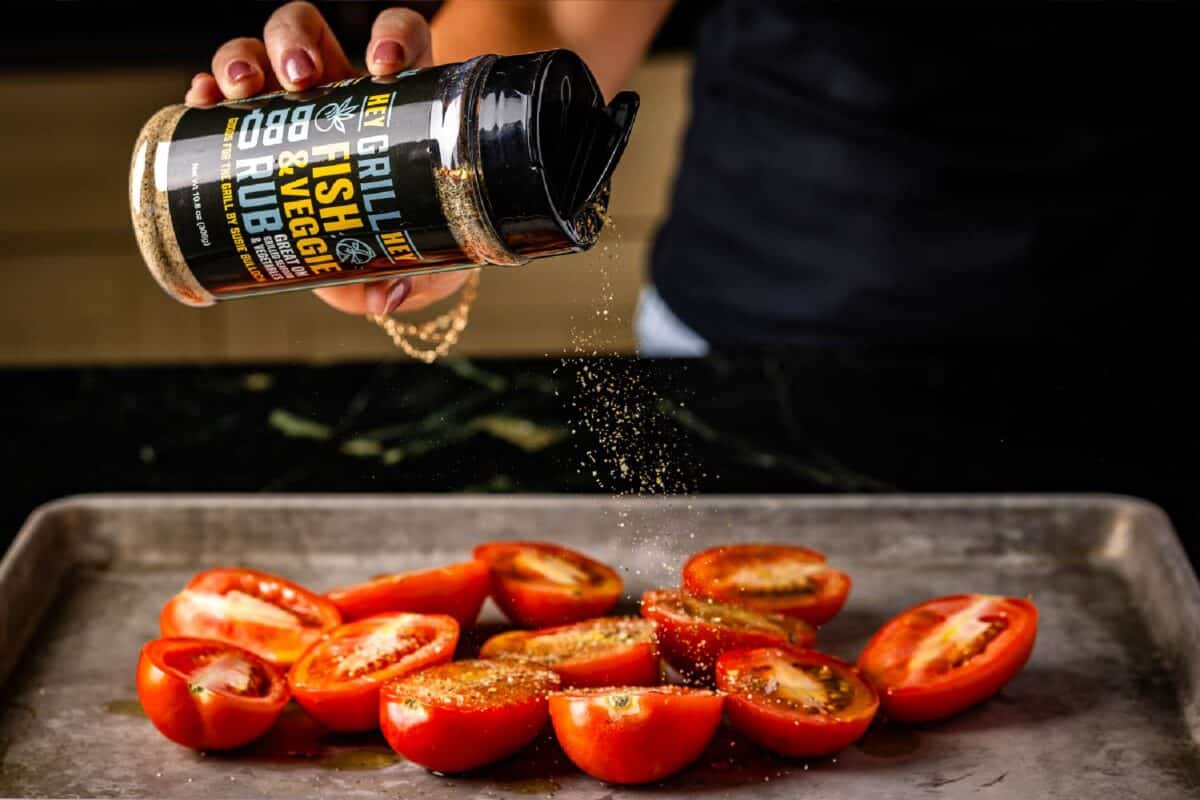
{"x":457,"y":590}
{"x":610,"y":651}
{"x":265,"y":614}
{"x":692,"y":631}
{"x":538,"y":585}
{"x":208,"y":695}
{"x":634,"y":734}
{"x":948,"y":654}
{"x":465,"y":714}
{"x":777,"y":579}
{"x":792,"y":703}
{"x":337,"y":680}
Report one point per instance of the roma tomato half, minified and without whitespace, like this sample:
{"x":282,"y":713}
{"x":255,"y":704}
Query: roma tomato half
{"x":771,"y":578}
{"x":337,"y":680}
{"x":457,"y":590}
{"x":265,"y":614}
{"x":692,"y":631}
{"x":538,"y":584}
{"x":634,"y":734}
{"x":608,"y":651}
{"x":795,"y":703}
{"x":948,"y":654}
{"x":208,"y":695}
{"x":465,"y":714}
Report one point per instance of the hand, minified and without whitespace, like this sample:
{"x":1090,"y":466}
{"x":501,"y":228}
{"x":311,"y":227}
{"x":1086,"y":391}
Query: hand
{"x":298,"y":50}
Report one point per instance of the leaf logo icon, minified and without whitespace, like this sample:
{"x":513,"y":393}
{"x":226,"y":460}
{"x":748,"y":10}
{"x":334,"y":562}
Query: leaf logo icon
{"x":335,"y":115}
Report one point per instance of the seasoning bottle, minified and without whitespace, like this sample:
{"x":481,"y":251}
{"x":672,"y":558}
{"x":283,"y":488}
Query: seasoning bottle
{"x":496,"y":160}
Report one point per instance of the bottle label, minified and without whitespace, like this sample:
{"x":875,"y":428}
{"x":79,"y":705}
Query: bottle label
{"x":312,"y":187}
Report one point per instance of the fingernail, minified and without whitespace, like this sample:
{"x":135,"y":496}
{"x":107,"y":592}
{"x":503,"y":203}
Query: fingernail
{"x":239,"y":70}
{"x":388,"y":52}
{"x":298,"y":66}
{"x":198,"y":76}
{"x":396,"y":294}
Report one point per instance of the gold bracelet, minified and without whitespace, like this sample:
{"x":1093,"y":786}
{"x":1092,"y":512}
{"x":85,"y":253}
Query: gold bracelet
{"x":438,"y":335}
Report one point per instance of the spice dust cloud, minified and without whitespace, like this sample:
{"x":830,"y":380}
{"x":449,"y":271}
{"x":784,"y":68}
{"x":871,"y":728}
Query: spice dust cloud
{"x":637,"y":450}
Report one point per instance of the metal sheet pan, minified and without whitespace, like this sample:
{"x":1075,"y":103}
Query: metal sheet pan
{"x":1108,"y":706}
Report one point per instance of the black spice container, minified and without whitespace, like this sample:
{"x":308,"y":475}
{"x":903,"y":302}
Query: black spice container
{"x":493,"y":161}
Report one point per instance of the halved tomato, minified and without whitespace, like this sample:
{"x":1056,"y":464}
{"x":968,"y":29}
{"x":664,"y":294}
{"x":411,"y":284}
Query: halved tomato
{"x":795,"y":704}
{"x":609,"y":651}
{"x":538,"y":585}
{"x":692,"y":631}
{"x":337,"y":680}
{"x":633,"y":734}
{"x":948,"y":654}
{"x":772,"y":578}
{"x":465,"y":714}
{"x":208,"y":695}
{"x":457,"y":590}
{"x":267,"y":615}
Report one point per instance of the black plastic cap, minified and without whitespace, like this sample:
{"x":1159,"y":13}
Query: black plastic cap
{"x":548,"y":146}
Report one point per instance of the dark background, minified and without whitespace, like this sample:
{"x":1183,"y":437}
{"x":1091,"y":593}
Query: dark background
{"x":1114,"y":421}
{"x":116,"y":33}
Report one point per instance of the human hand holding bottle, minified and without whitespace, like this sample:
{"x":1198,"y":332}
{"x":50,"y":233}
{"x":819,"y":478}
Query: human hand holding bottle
{"x":297,"y":51}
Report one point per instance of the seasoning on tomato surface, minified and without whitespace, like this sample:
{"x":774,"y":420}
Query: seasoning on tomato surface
{"x":607,"y":651}
{"x":337,"y":680}
{"x":465,"y":714}
{"x":693,"y":631}
{"x":771,"y":578}
{"x":804,"y":704}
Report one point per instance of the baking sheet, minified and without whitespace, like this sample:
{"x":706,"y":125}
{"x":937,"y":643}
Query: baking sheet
{"x":1107,"y":704}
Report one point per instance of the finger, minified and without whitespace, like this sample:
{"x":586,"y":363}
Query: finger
{"x":349,"y":299}
{"x":402,"y":294}
{"x":380,"y":297}
{"x":428,"y":289}
{"x":399,"y":40}
{"x":386,"y":296}
{"x":302,"y":48}
{"x":242,"y":68}
{"x":204,"y":91}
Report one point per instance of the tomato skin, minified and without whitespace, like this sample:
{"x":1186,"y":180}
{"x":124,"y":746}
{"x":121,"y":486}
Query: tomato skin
{"x":204,"y":720}
{"x":702,"y":575}
{"x":630,"y":663}
{"x":352,"y":704}
{"x":793,"y":734}
{"x":933,"y":698}
{"x":532,"y":603}
{"x":661,"y":731}
{"x":457,"y":590}
{"x":691,"y":643}
{"x":184,"y":615}
{"x":442,"y":735}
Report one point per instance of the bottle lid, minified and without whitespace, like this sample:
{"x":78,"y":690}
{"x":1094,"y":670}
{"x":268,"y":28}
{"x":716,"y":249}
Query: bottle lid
{"x":548,"y":145}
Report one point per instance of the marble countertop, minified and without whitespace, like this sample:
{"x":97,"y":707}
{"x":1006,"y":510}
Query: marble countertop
{"x":752,"y":424}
